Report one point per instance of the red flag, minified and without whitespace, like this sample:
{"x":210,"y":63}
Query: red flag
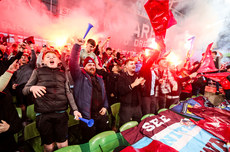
{"x":221,"y":78}
{"x":154,"y":146}
{"x":208,"y":63}
{"x":216,"y":121}
{"x":158,"y":12}
{"x":172,"y":20}
{"x":161,"y":19}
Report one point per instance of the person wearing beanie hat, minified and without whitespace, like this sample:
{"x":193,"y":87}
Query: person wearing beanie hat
{"x":89,"y":66}
{"x":89,"y":93}
{"x":88,"y":60}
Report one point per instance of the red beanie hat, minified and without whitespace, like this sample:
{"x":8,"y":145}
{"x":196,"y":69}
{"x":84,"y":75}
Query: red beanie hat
{"x":88,"y":60}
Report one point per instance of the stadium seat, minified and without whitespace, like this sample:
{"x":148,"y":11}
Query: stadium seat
{"x":32,"y":137}
{"x":105,"y":141}
{"x":19,"y":134}
{"x":170,"y":107}
{"x":30,"y":112}
{"x":108,"y":141}
{"x":147,"y":115}
{"x":71,"y":121}
{"x":161,"y":110}
{"x":19,"y":110}
{"x":14,"y":99}
{"x":128,"y":125}
{"x":122,"y":140}
{"x":73,"y":148}
{"x":115,"y":112}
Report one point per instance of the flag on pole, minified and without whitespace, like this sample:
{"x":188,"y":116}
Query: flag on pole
{"x":158,"y":12}
{"x":172,"y":20}
{"x":189,"y":46}
{"x":207,"y":64}
{"x":161,"y":18}
{"x":221,"y":78}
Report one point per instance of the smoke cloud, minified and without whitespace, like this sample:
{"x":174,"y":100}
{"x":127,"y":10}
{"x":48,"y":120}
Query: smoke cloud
{"x":115,"y":18}
{"x":204,"y":19}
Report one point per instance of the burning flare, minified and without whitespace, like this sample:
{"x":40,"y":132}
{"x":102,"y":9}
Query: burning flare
{"x":173,"y":59}
{"x":153,"y":44}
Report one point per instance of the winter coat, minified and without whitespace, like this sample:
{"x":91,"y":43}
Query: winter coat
{"x":83,"y":85}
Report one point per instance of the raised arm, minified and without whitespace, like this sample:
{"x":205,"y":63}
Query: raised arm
{"x":101,"y":48}
{"x":147,"y":63}
{"x":39,"y":57}
{"x":74,"y":65}
{"x":63,"y":55}
{"x":32,"y":62}
{"x":221,"y":55}
{"x":5,"y":78}
{"x":21,"y":49}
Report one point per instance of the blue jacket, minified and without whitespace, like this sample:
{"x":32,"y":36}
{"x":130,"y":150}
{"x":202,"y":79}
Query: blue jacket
{"x":83,"y":85}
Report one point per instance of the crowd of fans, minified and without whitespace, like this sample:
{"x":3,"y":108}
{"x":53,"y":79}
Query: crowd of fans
{"x":90,"y":80}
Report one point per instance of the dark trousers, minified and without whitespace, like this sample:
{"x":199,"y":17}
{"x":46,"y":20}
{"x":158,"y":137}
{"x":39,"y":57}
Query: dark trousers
{"x":185,"y":95}
{"x":53,"y":127}
{"x":217,"y":87}
{"x":169,"y":102}
{"x":101,"y":123}
{"x":161,"y":100}
{"x":227,"y":94}
{"x":23,"y":99}
{"x":149,"y":105}
{"x":129,"y":113}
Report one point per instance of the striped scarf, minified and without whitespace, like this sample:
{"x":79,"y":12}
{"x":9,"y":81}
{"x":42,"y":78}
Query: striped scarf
{"x":168,"y":81}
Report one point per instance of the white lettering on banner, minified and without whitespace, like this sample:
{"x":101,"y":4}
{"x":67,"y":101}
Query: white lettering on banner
{"x":140,"y":43}
{"x":135,"y":43}
{"x":148,"y":127}
{"x":145,"y":31}
{"x":65,"y":11}
{"x":156,"y":122}
{"x":137,"y":31}
{"x":163,"y":118}
{"x":152,"y":34}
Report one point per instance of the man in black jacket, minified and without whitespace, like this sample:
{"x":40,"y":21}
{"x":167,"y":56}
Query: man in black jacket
{"x":129,"y":86}
{"x":10,"y":123}
{"x":149,"y":103}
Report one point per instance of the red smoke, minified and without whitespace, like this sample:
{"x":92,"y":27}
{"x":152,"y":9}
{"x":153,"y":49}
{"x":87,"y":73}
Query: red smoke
{"x":109,"y":17}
